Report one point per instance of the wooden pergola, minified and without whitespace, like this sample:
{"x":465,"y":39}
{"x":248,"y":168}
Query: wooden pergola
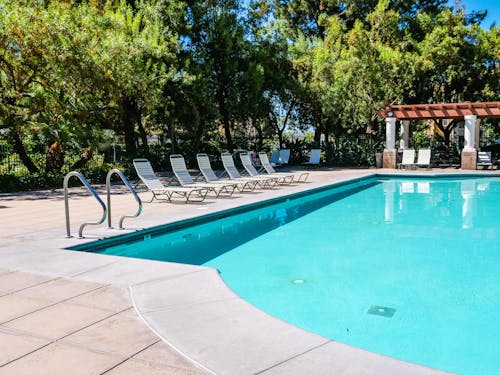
{"x":470,"y":112}
{"x":443,"y":111}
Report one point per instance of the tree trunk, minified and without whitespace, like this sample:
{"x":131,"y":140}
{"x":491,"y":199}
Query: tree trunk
{"x":54,"y":157}
{"x":226,"y":121}
{"x":19,"y":149}
{"x":198,"y":136}
{"x":173,"y":142}
{"x":260,"y":137}
{"x":280,"y":137}
{"x":84,"y":159}
{"x":227,"y":132}
{"x":446,"y":130}
{"x":144,"y":138}
{"x":317,"y":137}
{"x":326,"y":132}
{"x":129,"y":119}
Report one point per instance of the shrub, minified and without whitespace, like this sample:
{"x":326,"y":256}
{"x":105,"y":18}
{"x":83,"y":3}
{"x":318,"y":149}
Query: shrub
{"x":27,"y":182}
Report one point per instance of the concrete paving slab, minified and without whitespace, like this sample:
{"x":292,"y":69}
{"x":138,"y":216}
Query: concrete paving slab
{"x":210,"y":333}
{"x":58,"y":359}
{"x":15,"y":281}
{"x":163,"y":354}
{"x":119,"y":334}
{"x":5,"y":271}
{"x":14,"y":345}
{"x":184,"y":290}
{"x":56,"y":262}
{"x":130,"y":271}
{"x":110,"y":298}
{"x":133,"y":367}
{"x":59,"y":290}
{"x":13,"y":306}
{"x":59,"y":320}
{"x":346,"y":360}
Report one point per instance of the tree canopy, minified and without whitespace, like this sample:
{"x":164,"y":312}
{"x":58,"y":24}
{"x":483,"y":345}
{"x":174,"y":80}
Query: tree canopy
{"x":204,"y":75}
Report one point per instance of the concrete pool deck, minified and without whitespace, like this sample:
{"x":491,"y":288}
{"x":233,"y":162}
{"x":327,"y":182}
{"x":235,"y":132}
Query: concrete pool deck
{"x":63,"y":311}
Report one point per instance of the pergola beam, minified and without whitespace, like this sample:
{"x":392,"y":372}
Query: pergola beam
{"x":443,"y":111}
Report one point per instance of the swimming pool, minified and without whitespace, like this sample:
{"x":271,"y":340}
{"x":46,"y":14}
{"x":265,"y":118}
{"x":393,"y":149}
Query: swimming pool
{"x":406,"y":268}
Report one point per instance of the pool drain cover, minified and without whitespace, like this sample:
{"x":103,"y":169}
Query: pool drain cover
{"x":386,"y":312}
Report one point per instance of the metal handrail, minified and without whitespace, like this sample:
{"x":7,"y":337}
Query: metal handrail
{"x":108,"y":188}
{"x":66,"y":204}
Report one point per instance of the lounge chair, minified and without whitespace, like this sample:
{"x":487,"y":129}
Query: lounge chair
{"x":284,"y":156}
{"x":424,"y":158}
{"x":234,"y":174}
{"x":185,"y":179}
{"x":147,"y":175}
{"x":210,"y":176}
{"x":408,"y":159}
{"x":484,"y":159}
{"x":296,"y":177}
{"x":274,"y":159}
{"x":314,"y":158}
{"x":247,"y":164}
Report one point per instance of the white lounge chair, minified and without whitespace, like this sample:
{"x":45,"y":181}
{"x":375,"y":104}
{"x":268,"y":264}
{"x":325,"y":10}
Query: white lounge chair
{"x":247,"y":164}
{"x":210,"y":176}
{"x":484,"y":159}
{"x":284,"y":156}
{"x":314,"y":158}
{"x":186,"y":180}
{"x":147,"y":175}
{"x":296,"y":177}
{"x":274,"y":159}
{"x":408,"y":159}
{"x":234,"y":174}
{"x":424,"y":158}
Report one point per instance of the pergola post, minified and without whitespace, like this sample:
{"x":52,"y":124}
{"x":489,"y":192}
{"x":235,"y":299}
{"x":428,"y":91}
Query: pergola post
{"x":390,"y":153}
{"x":469,"y":153}
{"x":477,"y":135}
{"x":404,"y":134}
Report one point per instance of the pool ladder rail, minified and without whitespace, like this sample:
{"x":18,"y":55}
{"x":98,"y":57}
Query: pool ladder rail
{"x":106,"y":211}
{"x":132,"y":190}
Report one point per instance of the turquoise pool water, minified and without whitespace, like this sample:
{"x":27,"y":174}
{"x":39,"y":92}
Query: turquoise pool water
{"x":405,"y":268}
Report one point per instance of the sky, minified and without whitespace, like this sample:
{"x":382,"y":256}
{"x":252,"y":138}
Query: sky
{"x":493,"y":7}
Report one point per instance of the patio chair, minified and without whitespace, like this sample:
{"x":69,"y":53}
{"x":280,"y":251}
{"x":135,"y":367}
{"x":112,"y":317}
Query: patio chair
{"x":210,"y":176}
{"x":186,"y":180}
{"x":234,"y":174}
{"x":296,"y":177}
{"x":147,"y":175}
{"x":408,"y":159}
{"x":484,"y":159}
{"x":247,"y":164}
{"x":424,"y":158}
{"x":284,"y":156}
{"x":274,"y":159}
{"x":314,"y":158}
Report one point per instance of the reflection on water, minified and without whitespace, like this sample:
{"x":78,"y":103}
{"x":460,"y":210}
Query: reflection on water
{"x":402,"y":197}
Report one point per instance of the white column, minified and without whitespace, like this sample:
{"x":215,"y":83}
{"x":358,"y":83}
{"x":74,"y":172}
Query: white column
{"x":390,"y":133}
{"x":404,"y":133}
{"x":469,"y":132}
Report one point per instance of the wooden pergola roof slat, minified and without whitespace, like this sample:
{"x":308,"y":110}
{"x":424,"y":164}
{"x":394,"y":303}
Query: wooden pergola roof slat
{"x":443,"y":110}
